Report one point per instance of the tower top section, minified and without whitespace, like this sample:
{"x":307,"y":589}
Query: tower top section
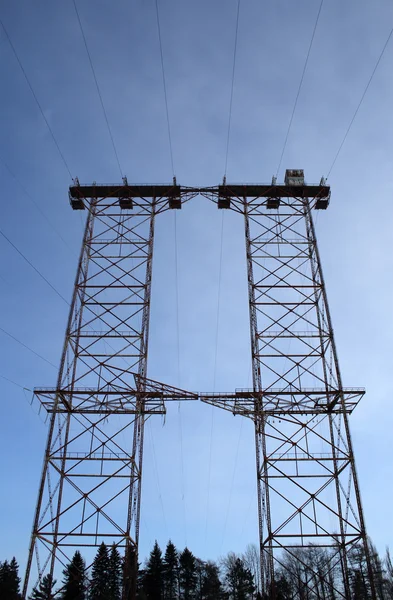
{"x":294,"y":186}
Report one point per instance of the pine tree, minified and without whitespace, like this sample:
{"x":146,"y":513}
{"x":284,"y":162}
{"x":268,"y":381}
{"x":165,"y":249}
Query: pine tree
{"x":170,"y":572}
{"x":153,"y":578}
{"x":74,"y":582}
{"x":115,"y":574}
{"x":211,"y":585}
{"x":99,"y":583}
{"x":44,"y":590}
{"x":239,"y":581}
{"x":188,"y":576}
{"x":9,"y":580}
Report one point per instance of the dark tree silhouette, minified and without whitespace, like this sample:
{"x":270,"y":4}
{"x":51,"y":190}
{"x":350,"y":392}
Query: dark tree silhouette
{"x":211,"y":584}
{"x":9,"y":580}
{"x":239,"y":580}
{"x":171,"y":572}
{"x":115,"y":575}
{"x":153,"y":577}
{"x":74,"y":582}
{"x":44,"y":590}
{"x":99,"y":583}
{"x":187,"y":573}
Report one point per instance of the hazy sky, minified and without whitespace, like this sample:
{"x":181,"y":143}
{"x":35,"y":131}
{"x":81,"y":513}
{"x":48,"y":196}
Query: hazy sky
{"x":354,"y":234}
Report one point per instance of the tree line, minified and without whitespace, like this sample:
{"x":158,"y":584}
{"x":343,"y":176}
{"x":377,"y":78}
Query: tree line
{"x":307,"y":573}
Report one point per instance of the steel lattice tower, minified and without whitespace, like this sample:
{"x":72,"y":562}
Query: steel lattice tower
{"x":308,"y":492}
{"x":90,"y":488}
{"x":306,"y":478}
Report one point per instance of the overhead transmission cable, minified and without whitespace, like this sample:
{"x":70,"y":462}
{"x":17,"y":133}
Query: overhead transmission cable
{"x":212,"y":410}
{"x":360,"y":102}
{"x":22,"y":387}
{"x":232,"y":86}
{"x":35,"y":98}
{"x":182,"y":478}
{"x":300,"y":87}
{"x":37,"y":206}
{"x":33,"y":267}
{"x":27,"y":348}
{"x":98,"y":87}
{"x":164,"y":86}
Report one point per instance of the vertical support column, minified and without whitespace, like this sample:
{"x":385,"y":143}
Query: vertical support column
{"x":90,"y":490}
{"x":309,"y":509}
{"x":264,"y":520}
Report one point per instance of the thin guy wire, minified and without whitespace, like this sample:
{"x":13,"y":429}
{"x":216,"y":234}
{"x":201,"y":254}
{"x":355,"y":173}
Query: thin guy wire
{"x":164,"y":85}
{"x":360,"y":102}
{"x":214,"y":377}
{"x":232,"y":85}
{"x":98,"y":87}
{"x":300,"y":87}
{"x":33,"y":267}
{"x":27,"y":347}
{"x":35,"y":98}
{"x":178,"y":375}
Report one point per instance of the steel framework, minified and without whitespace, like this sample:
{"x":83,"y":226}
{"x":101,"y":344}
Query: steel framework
{"x":308,"y":492}
{"x":90,"y":488}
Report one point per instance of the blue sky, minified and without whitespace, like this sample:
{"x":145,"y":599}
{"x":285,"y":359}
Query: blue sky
{"x":354,"y":234}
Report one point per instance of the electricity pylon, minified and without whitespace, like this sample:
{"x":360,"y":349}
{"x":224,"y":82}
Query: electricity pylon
{"x":308,"y":494}
{"x":90,"y":488}
{"x":307,"y":485}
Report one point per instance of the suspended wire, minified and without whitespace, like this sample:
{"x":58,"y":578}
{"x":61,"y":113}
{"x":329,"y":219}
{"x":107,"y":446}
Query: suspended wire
{"x":22,"y":387}
{"x":157,"y":476}
{"x":232,"y":482}
{"x":33,"y":267}
{"x":300,"y":87}
{"x":360,"y":102}
{"x":27,"y":347}
{"x":37,"y":206}
{"x":98,"y":87}
{"x":35,"y":98}
{"x":212,"y":410}
{"x":232,"y":85}
{"x":164,"y":85}
{"x":179,"y":381}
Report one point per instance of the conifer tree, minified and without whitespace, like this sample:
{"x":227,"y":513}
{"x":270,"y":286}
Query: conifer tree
{"x":170,"y":572}
{"x":188,"y":577}
{"x":99,"y":583}
{"x":153,"y":577}
{"x":9,"y":580}
{"x":115,"y":574}
{"x":44,"y":590}
{"x":211,"y":585}
{"x":239,"y":581}
{"x":74,"y":582}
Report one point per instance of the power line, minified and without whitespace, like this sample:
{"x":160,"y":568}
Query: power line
{"x":232,"y":85}
{"x":164,"y":84}
{"x":360,"y":102}
{"x":35,"y":98}
{"x":232,"y":482}
{"x":98,"y":88}
{"x":33,"y":267}
{"x":22,"y":387}
{"x":30,"y":197}
{"x":27,"y":348}
{"x":300,"y":86}
{"x":214,"y":376}
{"x":178,"y":374}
